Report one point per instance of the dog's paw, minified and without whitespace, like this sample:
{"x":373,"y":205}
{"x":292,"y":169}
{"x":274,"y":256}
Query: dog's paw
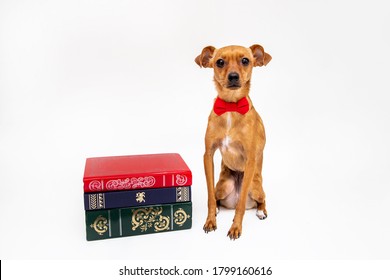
{"x":234,"y":232}
{"x":261,"y":214}
{"x":210,"y":225}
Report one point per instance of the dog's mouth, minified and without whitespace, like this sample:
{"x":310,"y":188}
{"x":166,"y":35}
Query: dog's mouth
{"x":233,"y":85}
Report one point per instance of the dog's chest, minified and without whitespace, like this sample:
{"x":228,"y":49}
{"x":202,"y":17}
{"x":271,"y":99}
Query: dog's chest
{"x":230,"y":143}
{"x":226,"y":132}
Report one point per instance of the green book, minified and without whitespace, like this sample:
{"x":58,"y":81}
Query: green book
{"x":118,"y":222}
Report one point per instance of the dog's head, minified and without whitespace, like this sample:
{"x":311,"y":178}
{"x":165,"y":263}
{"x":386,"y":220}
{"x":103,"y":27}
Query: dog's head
{"x":233,"y":68}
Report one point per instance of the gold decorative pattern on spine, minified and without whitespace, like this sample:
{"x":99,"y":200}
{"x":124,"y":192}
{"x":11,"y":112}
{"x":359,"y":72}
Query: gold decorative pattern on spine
{"x":140,"y":197}
{"x":146,"y":218}
{"x":182,"y":194}
{"x":96,"y":201}
{"x":100,"y":225}
{"x":180,"y":217}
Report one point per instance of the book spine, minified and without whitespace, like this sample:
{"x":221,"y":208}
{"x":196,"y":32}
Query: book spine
{"x":108,"y":200}
{"x":138,"y":182}
{"x":120,"y":222}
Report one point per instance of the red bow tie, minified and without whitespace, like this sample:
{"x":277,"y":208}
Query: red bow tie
{"x":221,"y":106}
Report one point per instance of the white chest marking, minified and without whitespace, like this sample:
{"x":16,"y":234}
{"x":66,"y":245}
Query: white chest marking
{"x":228,"y":122}
{"x":226,"y":141}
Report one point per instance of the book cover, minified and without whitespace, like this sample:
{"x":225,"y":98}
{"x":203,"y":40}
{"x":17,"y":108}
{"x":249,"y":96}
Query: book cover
{"x":119,"y":222}
{"x":118,"y":173}
{"x":108,"y":200}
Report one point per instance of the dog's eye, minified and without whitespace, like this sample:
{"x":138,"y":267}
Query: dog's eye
{"x":245,"y":61}
{"x":220,"y":63}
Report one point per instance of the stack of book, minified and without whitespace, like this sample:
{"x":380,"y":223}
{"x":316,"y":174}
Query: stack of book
{"x":139,"y":194}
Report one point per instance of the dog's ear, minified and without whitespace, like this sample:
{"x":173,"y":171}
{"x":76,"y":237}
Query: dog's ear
{"x":203,"y":60}
{"x":261,"y":58}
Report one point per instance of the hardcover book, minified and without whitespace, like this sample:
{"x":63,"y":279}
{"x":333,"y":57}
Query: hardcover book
{"x":108,"y":200}
{"x":118,"y":173}
{"x":119,"y":222}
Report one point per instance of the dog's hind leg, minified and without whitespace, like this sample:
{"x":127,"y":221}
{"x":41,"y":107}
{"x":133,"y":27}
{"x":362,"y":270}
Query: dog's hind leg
{"x":225,"y":192}
{"x":257,"y":193}
{"x":259,"y":197}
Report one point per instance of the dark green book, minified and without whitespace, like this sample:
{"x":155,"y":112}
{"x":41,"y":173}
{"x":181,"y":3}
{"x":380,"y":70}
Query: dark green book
{"x":119,"y":222}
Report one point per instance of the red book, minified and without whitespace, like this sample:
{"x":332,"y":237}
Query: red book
{"x":119,"y":173}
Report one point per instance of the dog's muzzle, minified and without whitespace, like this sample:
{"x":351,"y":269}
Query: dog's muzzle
{"x":234,"y":80}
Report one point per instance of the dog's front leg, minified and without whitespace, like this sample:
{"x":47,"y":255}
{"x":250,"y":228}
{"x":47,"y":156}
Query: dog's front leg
{"x":236,"y":228}
{"x":211,"y":221}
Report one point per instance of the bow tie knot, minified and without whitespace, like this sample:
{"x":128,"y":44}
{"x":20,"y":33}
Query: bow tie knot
{"x":221,"y":106}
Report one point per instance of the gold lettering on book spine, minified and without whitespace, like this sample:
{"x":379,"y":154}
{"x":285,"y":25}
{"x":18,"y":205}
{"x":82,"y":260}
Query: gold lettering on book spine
{"x":146,"y":218}
{"x":100,"y":225}
{"x":180,"y":217}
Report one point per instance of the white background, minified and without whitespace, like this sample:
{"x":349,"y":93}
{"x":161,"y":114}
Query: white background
{"x":82,"y":78}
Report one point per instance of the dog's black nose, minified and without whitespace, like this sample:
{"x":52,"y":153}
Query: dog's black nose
{"x":233,"y":77}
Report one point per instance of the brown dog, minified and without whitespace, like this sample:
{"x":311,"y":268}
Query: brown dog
{"x":236,"y":129}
